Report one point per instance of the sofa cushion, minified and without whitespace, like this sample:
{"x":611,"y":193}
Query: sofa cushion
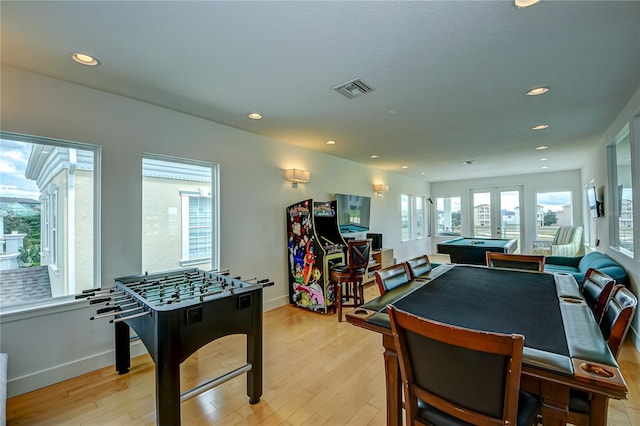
{"x":560,"y":268}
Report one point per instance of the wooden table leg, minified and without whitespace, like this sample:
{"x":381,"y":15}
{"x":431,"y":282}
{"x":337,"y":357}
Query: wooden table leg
{"x":599,"y":407}
{"x":555,"y":403}
{"x":393,"y":382}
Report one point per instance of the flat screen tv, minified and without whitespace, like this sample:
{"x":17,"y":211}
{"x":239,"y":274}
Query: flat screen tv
{"x":353,"y":213}
{"x":593,"y":201}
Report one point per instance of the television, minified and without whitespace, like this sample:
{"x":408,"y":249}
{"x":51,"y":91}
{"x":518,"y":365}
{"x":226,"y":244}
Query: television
{"x":353,"y":213}
{"x":595,"y":206}
{"x":593,"y":200}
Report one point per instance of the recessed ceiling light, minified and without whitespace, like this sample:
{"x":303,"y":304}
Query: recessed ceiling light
{"x":541,"y":147}
{"x":330,"y":142}
{"x":254,"y":115}
{"x":405,"y":167}
{"x":374,"y":156}
{"x":540,"y":127}
{"x":84,"y":59}
{"x":537,"y":91}
{"x":521,"y":4}
{"x":544,"y":167}
{"x":543,"y":159}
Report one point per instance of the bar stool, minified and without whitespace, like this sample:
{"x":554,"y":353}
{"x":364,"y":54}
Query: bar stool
{"x":351,"y":275}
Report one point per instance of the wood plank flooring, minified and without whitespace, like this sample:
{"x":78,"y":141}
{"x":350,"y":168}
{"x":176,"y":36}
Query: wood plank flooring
{"x":316,"y":372}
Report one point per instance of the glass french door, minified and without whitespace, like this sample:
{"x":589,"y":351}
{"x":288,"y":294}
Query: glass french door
{"x":496,"y":213}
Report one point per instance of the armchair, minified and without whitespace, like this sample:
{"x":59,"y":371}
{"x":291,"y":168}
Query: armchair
{"x":566,"y":242}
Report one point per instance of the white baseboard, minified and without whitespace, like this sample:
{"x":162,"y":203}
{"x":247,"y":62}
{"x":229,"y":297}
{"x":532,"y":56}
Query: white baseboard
{"x":39,"y":379}
{"x":275,"y":303}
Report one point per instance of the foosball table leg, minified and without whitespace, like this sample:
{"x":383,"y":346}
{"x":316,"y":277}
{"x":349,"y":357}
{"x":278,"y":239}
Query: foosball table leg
{"x":167,"y":391}
{"x":254,"y":352}
{"x":123,"y":350}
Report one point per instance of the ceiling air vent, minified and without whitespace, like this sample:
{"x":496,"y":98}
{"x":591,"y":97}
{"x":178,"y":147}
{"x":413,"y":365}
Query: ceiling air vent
{"x":354,"y":88}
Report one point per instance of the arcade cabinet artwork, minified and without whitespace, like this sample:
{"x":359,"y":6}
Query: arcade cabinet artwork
{"x":315,"y":244}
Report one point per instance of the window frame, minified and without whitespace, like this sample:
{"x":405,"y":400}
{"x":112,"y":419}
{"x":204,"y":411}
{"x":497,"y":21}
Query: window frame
{"x":613,"y":202}
{"x":409,"y":219}
{"x":572,"y":197}
{"x":214,"y":168}
{"x":420,"y":208}
{"x":186,"y":198}
{"x":52,"y":190}
{"x":437,"y":231}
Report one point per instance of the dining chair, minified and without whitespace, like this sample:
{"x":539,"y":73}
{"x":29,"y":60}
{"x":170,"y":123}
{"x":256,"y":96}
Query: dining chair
{"x":458,"y":376}
{"x":614,"y":325}
{"x":596,"y":289}
{"x":515,"y":261}
{"x":391,"y":277}
{"x":348,"y":278}
{"x":419,"y":267}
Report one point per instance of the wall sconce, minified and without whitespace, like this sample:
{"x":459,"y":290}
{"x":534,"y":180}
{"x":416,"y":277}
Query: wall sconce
{"x":380,"y":189}
{"x":297,"y":175}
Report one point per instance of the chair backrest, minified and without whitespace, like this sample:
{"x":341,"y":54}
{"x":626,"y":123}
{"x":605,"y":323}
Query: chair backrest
{"x":359,"y":254}
{"x":391,"y":277}
{"x":565,"y":235}
{"x":469,"y":374}
{"x":418,"y":266}
{"x":568,"y":241}
{"x":617,"y":317}
{"x":529,"y":262}
{"x":596,"y":288}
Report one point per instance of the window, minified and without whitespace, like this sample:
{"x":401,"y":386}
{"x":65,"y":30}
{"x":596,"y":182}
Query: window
{"x":49,"y":207}
{"x":196,"y":228}
{"x":179,"y":214}
{"x":53,"y":220}
{"x":621,"y":189}
{"x":421,"y":221}
{"x":405,"y":215}
{"x":553,"y":209}
{"x":448,"y":216}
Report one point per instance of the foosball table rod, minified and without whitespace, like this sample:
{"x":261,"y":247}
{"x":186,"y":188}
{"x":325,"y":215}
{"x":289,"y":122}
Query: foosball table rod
{"x":215,"y":382}
{"x":141,"y":314}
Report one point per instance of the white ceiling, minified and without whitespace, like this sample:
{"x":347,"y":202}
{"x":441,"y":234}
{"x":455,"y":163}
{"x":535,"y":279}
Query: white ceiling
{"x":449,"y":76}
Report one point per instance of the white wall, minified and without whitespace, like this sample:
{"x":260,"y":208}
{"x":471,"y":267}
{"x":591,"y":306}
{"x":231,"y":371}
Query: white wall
{"x":596,"y":168}
{"x":50,"y":345}
{"x":531,"y":184}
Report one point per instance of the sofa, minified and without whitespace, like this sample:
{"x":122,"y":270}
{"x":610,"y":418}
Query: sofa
{"x":578,"y":266}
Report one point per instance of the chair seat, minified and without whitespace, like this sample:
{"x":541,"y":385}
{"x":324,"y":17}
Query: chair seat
{"x":341,"y":268}
{"x":527,"y":410}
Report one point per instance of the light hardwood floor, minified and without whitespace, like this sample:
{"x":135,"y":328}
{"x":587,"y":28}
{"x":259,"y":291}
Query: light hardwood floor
{"x":316,"y":372}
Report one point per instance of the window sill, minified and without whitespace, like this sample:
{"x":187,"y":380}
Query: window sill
{"x":196,"y":261}
{"x":36,"y":309}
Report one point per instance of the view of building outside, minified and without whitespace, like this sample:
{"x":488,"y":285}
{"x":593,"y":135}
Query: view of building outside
{"x":177,"y":214}
{"x":554,"y":209}
{"x":448,"y":216}
{"x":47,"y":207}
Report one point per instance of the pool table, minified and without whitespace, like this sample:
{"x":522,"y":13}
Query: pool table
{"x":472,"y":250}
{"x":564,"y":348}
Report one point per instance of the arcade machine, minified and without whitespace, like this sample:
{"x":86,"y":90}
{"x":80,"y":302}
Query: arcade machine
{"x":315,"y":244}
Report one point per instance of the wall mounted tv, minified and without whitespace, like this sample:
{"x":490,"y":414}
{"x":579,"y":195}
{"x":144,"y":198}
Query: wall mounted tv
{"x":594,"y":205}
{"x":353,"y":213}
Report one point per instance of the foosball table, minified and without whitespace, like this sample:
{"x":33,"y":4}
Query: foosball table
{"x":175,"y":313}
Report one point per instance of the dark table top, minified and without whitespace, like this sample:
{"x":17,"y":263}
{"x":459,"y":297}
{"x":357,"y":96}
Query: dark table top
{"x":547,"y":309}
